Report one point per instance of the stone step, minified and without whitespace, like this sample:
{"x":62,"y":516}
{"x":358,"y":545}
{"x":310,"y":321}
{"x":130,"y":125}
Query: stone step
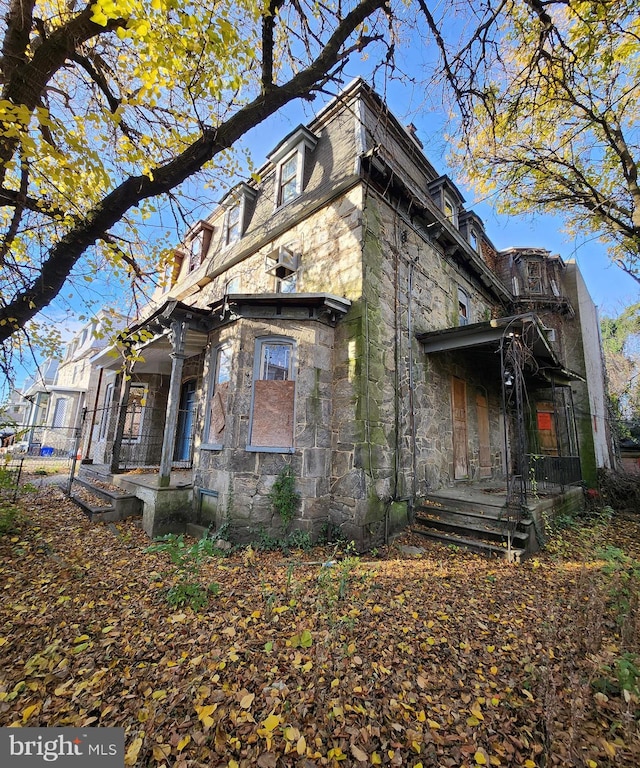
{"x":493,"y":506}
{"x":473,"y":545}
{"x":492,"y":530}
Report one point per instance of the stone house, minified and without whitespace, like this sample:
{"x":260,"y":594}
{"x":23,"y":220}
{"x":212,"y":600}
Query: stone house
{"x":344,"y":315}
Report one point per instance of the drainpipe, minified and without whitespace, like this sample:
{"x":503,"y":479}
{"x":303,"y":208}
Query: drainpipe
{"x":177,"y":334}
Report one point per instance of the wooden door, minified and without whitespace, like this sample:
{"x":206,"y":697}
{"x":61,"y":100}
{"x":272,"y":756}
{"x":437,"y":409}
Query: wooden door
{"x":459,"y":408}
{"x":546,"y":424}
{"x":482,"y":409}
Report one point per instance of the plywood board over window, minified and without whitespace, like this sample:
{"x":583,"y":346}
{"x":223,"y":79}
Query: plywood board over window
{"x":273,"y":413}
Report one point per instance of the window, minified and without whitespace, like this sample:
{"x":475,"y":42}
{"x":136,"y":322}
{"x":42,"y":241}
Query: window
{"x":450,"y":210}
{"x":198,"y":244}
{"x":288,"y":186}
{"x":273,"y":395}
{"x":474,"y":240}
{"x":288,"y":282}
{"x":135,"y":412}
{"x":219,"y":389}
{"x":534,"y":276}
{"x":106,"y":412}
{"x":232,"y":230}
{"x":59,"y":411}
{"x":232,"y":285}
{"x":464,"y":313}
{"x":288,"y":158}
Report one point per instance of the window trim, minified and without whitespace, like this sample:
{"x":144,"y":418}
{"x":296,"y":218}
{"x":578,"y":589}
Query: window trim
{"x":214,"y":367}
{"x":260,"y":343}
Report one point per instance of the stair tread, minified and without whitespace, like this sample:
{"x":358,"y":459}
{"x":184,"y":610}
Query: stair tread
{"x":469,"y":543}
{"x":498,"y":530}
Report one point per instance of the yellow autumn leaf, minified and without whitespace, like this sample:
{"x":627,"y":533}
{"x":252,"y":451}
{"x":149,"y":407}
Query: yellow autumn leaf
{"x":301,"y":746}
{"x":609,"y":748}
{"x":247,"y":700}
{"x":480,"y":758}
{"x":376,"y":759}
{"x":476,"y":711}
{"x":272,"y":722}
{"x":132,"y":753}
{"x":433,"y":724}
{"x":592,"y":764}
{"x":26,"y":713}
{"x":529,"y":764}
{"x":161,"y":752}
{"x":3,"y":641}
{"x":473,"y":720}
{"x":183,"y":742}
{"x":204,"y":714}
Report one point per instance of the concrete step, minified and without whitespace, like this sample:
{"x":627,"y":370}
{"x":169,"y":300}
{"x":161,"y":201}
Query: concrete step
{"x":118,"y":504}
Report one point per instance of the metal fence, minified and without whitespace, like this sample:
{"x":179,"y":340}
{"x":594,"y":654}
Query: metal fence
{"x":545,"y":472}
{"x":10,"y":472}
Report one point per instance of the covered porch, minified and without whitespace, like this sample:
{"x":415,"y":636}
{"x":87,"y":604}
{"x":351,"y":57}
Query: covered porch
{"x":540,"y":447}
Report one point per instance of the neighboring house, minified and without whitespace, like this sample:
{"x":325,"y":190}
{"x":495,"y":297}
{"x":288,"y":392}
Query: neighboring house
{"x":346,"y":316}
{"x":14,"y":415}
{"x":36,"y":391}
{"x":56,"y":394}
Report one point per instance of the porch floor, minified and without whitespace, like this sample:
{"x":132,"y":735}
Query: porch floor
{"x":145,"y":477}
{"x":493,"y":493}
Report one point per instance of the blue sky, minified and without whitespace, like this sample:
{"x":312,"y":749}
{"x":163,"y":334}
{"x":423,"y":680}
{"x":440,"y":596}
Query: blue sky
{"x":610,"y":288}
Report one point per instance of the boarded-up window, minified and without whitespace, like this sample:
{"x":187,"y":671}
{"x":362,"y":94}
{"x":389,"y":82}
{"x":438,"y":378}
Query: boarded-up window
{"x":218,"y":398}
{"x":273,"y":396}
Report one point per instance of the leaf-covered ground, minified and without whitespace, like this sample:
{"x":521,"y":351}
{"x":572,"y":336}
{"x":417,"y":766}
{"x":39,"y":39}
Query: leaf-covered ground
{"x":442,"y":659}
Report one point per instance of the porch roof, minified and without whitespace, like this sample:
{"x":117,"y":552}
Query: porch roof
{"x":155,"y":351}
{"x":489,"y":336}
{"x":325,"y":307}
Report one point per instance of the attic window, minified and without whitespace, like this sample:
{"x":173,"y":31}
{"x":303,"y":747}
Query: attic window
{"x":534,"y":276}
{"x":474,"y":240}
{"x":289,"y":159}
{"x":198,"y":244}
{"x":232,"y":229}
{"x":236,"y":203}
{"x":450,"y":210}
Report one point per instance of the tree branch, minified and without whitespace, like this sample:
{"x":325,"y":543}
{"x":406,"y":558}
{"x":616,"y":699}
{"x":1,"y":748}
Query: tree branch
{"x":95,"y":225}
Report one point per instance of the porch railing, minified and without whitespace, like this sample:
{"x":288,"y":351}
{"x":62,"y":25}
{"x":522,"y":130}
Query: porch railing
{"x":143,"y":433}
{"x":545,"y":472}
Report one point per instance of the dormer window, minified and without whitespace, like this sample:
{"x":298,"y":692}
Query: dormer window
{"x":237,"y":204}
{"x":289,"y":159}
{"x":446,"y":196}
{"x":233,"y":224}
{"x":534,"y":276}
{"x":198,"y":244}
{"x":474,"y":240}
{"x":290,"y":181}
{"x":450,"y":210}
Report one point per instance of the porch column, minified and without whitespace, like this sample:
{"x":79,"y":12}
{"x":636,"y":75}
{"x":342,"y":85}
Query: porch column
{"x":123,"y":401}
{"x":177,"y":335}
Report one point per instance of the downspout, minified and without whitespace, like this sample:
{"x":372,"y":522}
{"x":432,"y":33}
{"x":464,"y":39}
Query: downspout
{"x":412,"y":416}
